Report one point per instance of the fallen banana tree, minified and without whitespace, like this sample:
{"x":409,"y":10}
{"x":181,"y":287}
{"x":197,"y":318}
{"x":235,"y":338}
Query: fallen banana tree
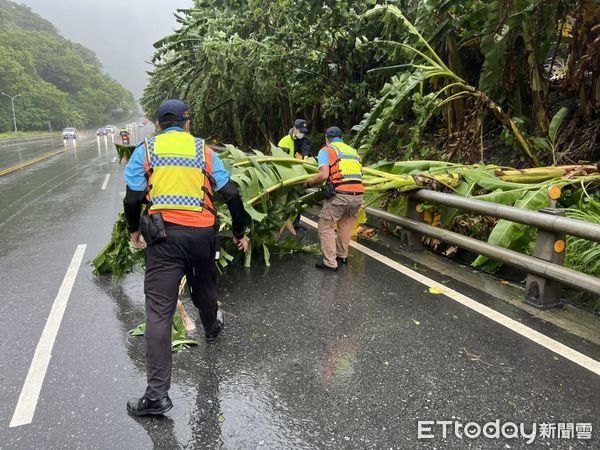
{"x":271,"y":188}
{"x":522,"y":188}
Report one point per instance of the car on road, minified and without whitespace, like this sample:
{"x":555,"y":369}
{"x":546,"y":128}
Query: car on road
{"x":70,"y":133}
{"x":110,"y":128}
{"x":101,"y":132}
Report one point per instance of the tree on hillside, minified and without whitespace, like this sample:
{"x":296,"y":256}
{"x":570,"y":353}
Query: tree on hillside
{"x":484,"y":80}
{"x":59,"y":81}
{"x":249,"y":68}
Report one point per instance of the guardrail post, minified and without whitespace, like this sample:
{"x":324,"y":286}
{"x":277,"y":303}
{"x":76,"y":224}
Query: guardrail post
{"x":549,"y":246}
{"x":411,"y":240}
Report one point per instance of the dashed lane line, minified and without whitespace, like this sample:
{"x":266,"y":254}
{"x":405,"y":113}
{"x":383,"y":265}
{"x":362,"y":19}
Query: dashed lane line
{"x":105,"y":184}
{"x":32,"y":386}
{"x":511,"y":324}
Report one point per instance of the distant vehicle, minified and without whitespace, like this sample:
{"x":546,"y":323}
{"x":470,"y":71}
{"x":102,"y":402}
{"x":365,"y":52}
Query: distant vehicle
{"x":70,"y":133}
{"x":101,"y":132}
{"x":110,"y":128}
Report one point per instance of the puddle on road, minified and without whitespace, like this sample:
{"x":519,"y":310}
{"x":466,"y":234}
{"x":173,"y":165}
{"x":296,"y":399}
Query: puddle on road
{"x":243,"y":412}
{"x":245,"y":392}
{"x":215,"y":406}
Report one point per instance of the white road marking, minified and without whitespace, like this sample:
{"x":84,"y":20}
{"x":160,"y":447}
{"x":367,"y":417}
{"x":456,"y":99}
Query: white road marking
{"x":30,"y":393}
{"x":511,"y":324}
{"x":114,"y":159}
{"x":105,"y":184}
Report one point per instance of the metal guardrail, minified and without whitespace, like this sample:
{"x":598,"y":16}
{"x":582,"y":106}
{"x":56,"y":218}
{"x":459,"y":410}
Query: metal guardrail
{"x":545,"y":270}
{"x":548,"y":222}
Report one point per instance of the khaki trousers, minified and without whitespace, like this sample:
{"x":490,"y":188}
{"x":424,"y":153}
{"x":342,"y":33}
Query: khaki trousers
{"x":341,"y":210}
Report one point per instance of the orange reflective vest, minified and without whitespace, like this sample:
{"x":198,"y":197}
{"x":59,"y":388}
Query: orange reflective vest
{"x":345,"y":168}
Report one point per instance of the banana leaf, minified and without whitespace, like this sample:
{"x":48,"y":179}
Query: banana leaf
{"x":584,"y":255}
{"x":465,"y":189}
{"x":487,"y":180}
{"x":179,"y":340}
{"x":124,"y":151}
{"x":118,"y":257}
{"x":507,"y":234}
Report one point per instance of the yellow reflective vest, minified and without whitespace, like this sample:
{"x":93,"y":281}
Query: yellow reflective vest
{"x":177,"y":173}
{"x":345,"y":167}
{"x":287,"y":142}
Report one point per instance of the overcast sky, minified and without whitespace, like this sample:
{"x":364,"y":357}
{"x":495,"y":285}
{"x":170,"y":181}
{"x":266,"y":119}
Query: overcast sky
{"x":121,"y":32}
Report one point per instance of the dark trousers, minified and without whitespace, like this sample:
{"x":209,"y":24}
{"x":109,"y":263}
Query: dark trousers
{"x":186,"y":251}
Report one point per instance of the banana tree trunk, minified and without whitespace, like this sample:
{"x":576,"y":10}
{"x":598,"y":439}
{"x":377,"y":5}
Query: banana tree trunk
{"x":236,"y":121}
{"x":539,"y":89}
{"x":456,"y":111}
{"x":187,"y":321}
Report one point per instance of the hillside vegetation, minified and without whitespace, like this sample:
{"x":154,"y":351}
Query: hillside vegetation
{"x":61,"y":82}
{"x":458,"y":80}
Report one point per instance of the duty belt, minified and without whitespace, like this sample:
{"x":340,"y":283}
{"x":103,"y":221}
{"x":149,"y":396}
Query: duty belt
{"x":349,"y":193}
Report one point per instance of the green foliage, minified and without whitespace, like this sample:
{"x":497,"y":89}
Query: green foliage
{"x":584,"y":255}
{"x":248,"y":69}
{"x":118,"y":257}
{"x":271,"y":188}
{"x":25,"y":134}
{"x":60,"y":82}
{"x":179,"y":340}
{"x":513,"y":235}
{"x":528,"y":190}
{"x":449,"y":66}
{"x":124,"y":151}
{"x":550,"y":143}
{"x":422,"y":66}
{"x":269,"y":191}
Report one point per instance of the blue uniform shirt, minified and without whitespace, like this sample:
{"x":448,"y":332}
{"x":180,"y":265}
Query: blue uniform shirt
{"x":323,"y":156}
{"x":135,"y":173}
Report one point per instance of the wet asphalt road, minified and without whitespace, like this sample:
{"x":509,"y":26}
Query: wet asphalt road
{"x":18,"y":152}
{"x":308,"y":360}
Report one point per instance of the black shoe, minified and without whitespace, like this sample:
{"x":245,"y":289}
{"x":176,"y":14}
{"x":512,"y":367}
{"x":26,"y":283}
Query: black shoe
{"x":213,"y":336}
{"x":342,"y":261}
{"x":146,"y":407}
{"x":322,"y":266}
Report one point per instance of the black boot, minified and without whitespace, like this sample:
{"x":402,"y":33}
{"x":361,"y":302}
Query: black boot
{"x":146,"y":407}
{"x":323,"y":266}
{"x":342,"y":261}
{"x":213,"y":336}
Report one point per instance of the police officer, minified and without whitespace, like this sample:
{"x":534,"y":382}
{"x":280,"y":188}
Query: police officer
{"x":177,"y":175}
{"x":296,"y":142}
{"x":341,"y":168}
